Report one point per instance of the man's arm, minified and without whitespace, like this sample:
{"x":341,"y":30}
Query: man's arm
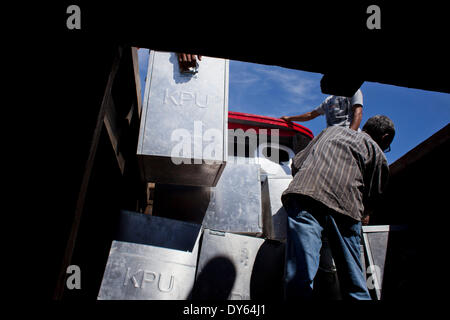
{"x":357,"y":117}
{"x":303,"y":117}
{"x":357,"y":105}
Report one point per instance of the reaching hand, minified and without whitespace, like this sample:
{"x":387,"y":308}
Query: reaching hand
{"x":187,"y":60}
{"x":365,"y":221}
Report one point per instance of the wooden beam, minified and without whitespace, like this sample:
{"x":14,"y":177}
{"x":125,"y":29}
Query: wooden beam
{"x":421,"y":150}
{"x":137,"y":79}
{"x":59,"y":290}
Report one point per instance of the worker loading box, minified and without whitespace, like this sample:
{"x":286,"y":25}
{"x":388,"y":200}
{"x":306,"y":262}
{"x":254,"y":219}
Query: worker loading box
{"x":183,"y":132}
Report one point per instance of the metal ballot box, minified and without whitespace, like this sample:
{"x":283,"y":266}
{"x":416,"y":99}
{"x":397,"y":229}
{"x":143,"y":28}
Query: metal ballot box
{"x":183,"y":133}
{"x":233,"y":205}
{"x":239,"y":267}
{"x":375,"y":240}
{"x":160,"y":266}
{"x":272,"y":189}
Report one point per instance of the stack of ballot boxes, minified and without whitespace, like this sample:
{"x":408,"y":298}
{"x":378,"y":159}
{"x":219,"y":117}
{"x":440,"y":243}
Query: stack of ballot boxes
{"x":238,"y":259}
{"x":209,"y":235}
{"x":238,"y":256}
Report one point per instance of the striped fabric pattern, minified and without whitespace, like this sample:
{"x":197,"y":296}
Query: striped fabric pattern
{"x":341,"y":168}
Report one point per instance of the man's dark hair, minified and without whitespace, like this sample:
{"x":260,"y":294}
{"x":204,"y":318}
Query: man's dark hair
{"x":379,"y":125}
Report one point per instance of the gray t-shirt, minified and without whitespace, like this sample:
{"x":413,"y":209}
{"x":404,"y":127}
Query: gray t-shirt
{"x":338,"y":110}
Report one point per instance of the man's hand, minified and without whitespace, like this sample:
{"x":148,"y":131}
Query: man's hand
{"x":365,"y":221}
{"x":286,"y":118}
{"x":187,"y":60}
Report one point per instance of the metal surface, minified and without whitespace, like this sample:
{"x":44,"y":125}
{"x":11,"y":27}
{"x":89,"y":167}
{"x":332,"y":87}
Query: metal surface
{"x":376,"y":241}
{"x":163,"y":268}
{"x":157,"y":231}
{"x":272,"y":189}
{"x":184,"y":118}
{"x":274,"y":169}
{"x":378,"y":246}
{"x":240,"y":160}
{"x":239,"y":267}
{"x":184,"y":203}
{"x":235,"y":203}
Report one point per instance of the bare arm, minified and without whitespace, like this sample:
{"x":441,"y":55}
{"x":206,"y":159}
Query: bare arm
{"x":303,"y":117}
{"x":357,"y":117}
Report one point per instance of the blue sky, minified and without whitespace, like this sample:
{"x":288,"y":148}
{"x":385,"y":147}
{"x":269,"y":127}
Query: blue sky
{"x":275,"y":91}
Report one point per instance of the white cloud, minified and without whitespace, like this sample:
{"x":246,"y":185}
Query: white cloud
{"x":244,"y":78}
{"x":273,"y":91}
{"x":295,"y":86}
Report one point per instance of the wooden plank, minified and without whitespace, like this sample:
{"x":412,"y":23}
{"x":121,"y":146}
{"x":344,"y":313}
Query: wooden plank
{"x":86,"y":177}
{"x":421,"y":150}
{"x":113,"y":124}
{"x":110,"y":121}
{"x":137,"y":79}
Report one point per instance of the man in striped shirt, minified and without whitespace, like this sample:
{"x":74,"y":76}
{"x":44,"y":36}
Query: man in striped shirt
{"x":339,"y":173}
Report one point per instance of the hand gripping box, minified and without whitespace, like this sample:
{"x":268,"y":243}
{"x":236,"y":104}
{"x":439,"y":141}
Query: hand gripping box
{"x":183,"y":131}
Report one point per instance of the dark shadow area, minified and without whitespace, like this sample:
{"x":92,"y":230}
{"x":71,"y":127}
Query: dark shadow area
{"x":215,"y":280}
{"x":326,"y":286}
{"x":401,"y":267}
{"x":156,"y":231}
{"x":279,"y":219}
{"x":326,"y":282}
{"x":185,"y":203}
{"x":268,"y":225}
{"x":299,"y":142}
{"x":101,"y":216}
{"x":266,"y":282}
